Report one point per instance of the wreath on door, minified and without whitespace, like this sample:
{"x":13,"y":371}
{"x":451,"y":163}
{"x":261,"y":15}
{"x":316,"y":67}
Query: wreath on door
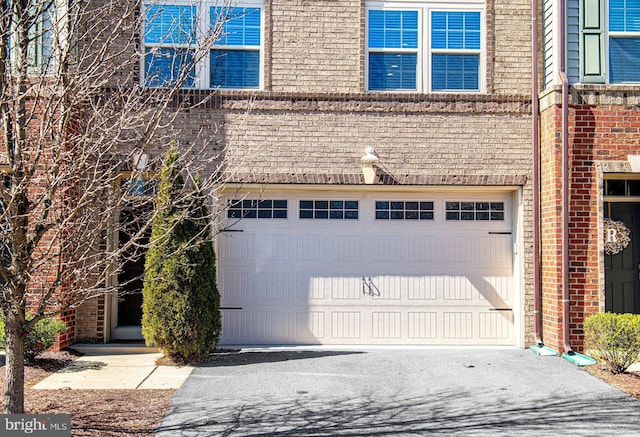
{"x":616,"y":236}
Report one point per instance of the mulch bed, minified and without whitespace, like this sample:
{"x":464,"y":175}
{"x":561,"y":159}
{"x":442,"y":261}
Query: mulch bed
{"x":93,"y":412}
{"x":627,"y":382}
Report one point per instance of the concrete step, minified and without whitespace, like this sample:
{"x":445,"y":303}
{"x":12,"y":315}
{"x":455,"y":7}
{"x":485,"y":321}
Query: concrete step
{"x":113,"y":348}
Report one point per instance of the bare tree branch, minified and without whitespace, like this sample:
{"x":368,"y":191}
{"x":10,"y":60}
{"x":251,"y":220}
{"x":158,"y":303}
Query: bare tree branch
{"x":77,"y":119}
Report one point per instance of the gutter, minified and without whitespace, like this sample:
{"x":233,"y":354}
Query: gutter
{"x":565,"y":179}
{"x":539,"y":347}
{"x":569,"y":354}
{"x":535,"y":135}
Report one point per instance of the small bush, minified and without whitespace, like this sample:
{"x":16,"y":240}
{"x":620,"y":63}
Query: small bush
{"x":39,"y":339}
{"x":616,"y":338}
{"x":42,"y":336}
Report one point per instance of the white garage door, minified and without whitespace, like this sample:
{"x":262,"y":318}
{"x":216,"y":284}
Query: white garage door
{"x":374,"y":268}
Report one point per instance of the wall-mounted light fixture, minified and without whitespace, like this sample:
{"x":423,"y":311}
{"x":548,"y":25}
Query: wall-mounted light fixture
{"x":140,"y":160}
{"x":369,"y":165}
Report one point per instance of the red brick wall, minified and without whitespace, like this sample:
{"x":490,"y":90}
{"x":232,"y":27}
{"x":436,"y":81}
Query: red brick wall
{"x":69,"y":336}
{"x":596,"y":133}
{"x":550,"y":222}
{"x":43,"y":278}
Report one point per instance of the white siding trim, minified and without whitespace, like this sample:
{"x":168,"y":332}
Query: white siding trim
{"x":548,"y":52}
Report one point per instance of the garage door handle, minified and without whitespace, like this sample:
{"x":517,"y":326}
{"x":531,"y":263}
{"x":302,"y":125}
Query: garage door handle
{"x":499,"y":233}
{"x":500,"y":309}
{"x":368,"y":287}
{"x":231,"y":230}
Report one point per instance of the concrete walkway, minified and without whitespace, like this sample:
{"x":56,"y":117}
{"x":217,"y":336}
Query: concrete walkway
{"x":115,"y":367}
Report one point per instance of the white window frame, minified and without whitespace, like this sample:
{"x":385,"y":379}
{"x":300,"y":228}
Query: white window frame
{"x":479,"y":52}
{"x":619,"y":35}
{"x":423,"y":68}
{"x":417,"y":51}
{"x":202,"y":67}
{"x":37,"y":64}
{"x":607,"y":35}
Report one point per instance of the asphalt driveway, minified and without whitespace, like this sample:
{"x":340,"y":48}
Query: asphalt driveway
{"x":471,"y":392}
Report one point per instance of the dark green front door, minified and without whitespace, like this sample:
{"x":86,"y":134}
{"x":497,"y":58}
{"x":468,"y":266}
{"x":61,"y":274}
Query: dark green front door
{"x":622,"y":270}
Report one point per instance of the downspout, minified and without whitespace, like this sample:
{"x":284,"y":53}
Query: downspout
{"x":535,"y":135}
{"x":565,"y":178}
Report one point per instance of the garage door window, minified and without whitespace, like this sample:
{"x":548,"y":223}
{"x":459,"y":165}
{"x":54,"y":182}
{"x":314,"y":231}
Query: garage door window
{"x":475,"y":211}
{"x":403,"y":210}
{"x":329,"y":209}
{"x":257,"y":208}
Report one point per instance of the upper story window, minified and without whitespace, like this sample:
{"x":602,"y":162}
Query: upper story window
{"x":624,"y":41}
{"x":235,"y":58}
{"x":170,"y":39}
{"x":424,"y":47}
{"x":41,"y":46}
{"x":455,"y":51}
{"x":47,"y":30}
{"x":393,"y":50}
{"x":178,"y":50}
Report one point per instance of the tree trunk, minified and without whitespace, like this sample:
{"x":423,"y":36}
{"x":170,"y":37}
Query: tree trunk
{"x":14,"y":367}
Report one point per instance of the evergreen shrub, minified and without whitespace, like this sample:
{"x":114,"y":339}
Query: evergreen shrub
{"x":180,"y":310}
{"x":616,"y":337}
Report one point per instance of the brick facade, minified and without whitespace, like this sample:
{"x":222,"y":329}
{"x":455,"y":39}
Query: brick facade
{"x":604,"y":129}
{"x":38,"y":153}
{"x":314,"y":46}
{"x":313,"y":119}
{"x":550,"y":222}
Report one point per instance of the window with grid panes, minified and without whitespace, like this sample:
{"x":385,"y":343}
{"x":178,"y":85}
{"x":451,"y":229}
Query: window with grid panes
{"x":257,"y":208}
{"x":404,"y":210}
{"x":424,"y":47}
{"x":173,"y":37}
{"x":328,"y":209}
{"x":624,"y":41}
{"x":474,"y":211}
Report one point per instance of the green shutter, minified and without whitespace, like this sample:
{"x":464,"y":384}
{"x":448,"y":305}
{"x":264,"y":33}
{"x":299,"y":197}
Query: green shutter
{"x":592,"y":41}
